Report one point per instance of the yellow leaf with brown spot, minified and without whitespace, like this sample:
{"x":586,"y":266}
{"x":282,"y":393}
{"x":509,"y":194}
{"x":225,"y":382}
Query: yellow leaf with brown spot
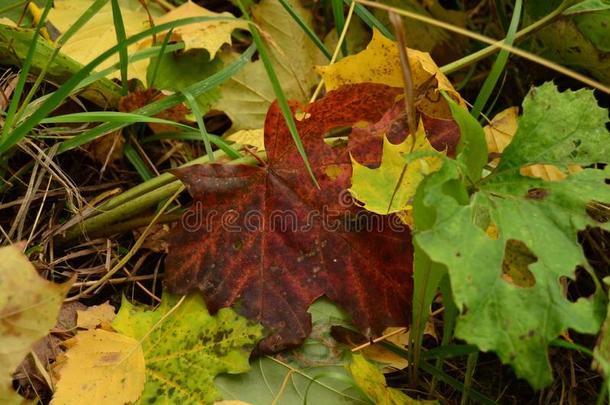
{"x":380,"y":63}
{"x":103,"y":367}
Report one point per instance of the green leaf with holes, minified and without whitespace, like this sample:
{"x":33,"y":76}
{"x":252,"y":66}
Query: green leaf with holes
{"x":185,"y":347}
{"x":510,"y":246}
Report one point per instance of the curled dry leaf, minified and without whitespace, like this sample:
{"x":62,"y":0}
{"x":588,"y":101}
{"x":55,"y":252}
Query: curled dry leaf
{"x":94,"y":316}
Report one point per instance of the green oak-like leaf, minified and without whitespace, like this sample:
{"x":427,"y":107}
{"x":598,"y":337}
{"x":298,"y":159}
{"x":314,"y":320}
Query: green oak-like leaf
{"x":185,"y":347}
{"x":518,"y":320}
{"x":559,"y":129}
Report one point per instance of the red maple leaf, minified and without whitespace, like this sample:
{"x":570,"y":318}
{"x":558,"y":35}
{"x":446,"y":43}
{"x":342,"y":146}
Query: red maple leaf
{"x":266,"y":241}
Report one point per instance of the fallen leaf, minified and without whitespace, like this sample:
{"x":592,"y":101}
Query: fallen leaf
{"x":102,"y":366}
{"x":390,"y":187}
{"x":247,"y":95}
{"x":499,"y":133}
{"x":95,"y":316}
{"x":179,"y":337}
{"x":208,"y":35}
{"x":107,"y":149}
{"x":29,"y":306}
{"x":98,"y":34}
{"x":373,"y":383}
{"x":380,"y":63}
{"x":250,"y":137}
{"x":275,"y":270}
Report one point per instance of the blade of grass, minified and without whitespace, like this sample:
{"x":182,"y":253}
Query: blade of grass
{"x":306,"y":28}
{"x":196,"y":136}
{"x":471,"y":364}
{"x":279,"y":93}
{"x":110,"y":116}
{"x":499,"y":64}
{"x":136,"y":161}
{"x":370,"y":20}
{"x":447,"y":379}
{"x":337,"y":6}
{"x":155,"y":70}
{"x":58,"y":96}
{"x":205,"y":137}
{"x":25,"y":69}
{"x":119,"y":29}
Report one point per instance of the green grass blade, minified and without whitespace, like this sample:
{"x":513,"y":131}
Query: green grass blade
{"x":306,"y":29}
{"x":111,"y":116}
{"x":27,"y":63}
{"x":58,"y":96}
{"x":339,"y":17}
{"x":279,"y":93}
{"x":155,"y":70}
{"x":447,"y":379}
{"x":195,"y":136}
{"x":154,"y":108}
{"x":192,"y":103}
{"x":119,"y":29}
{"x":136,"y":161}
{"x":370,"y":20}
{"x":499,"y":64}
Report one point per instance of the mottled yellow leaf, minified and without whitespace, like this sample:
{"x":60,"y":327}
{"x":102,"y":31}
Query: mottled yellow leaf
{"x":98,"y":34}
{"x":94,"y":316}
{"x":246,"y":96}
{"x":208,"y":35}
{"x":380,"y":63}
{"x":498,"y":134}
{"x":29,"y":306}
{"x":251,"y":137}
{"x":102,"y":367}
{"x":390,"y":187}
{"x":373,"y":383}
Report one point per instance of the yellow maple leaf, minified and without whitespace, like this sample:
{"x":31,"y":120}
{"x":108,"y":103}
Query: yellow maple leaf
{"x":98,"y":34}
{"x":104,"y":367}
{"x":380,"y":63}
{"x":498,"y":134}
{"x":208,"y":35}
{"x":29,"y":306}
{"x":390,"y":187}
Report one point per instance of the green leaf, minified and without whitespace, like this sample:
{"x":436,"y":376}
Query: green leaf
{"x":601,"y":352}
{"x":29,"y":306}
{"x":472,"y":149}
{"x":315,"y":373}
{"x":559,"y":129}
{"x":177,"y":71}
{"x":588,"y":6}
{"x":185,"y":347}
{"x":578,"y":40}
{"x":518,"y":319}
